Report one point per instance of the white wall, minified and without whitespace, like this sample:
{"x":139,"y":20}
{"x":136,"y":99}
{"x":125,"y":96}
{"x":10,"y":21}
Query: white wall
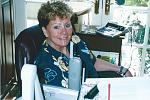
{"x":19,"y":16}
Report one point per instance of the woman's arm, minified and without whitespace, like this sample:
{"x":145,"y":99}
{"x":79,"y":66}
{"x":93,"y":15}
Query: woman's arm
{"x":101,"y":65}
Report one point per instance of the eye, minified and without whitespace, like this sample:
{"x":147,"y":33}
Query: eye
{"x":68,"y":25}
{"x":57,"y":27}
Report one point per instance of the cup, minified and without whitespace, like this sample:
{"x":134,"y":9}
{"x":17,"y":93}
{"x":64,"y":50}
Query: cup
{"x":75,"y":67}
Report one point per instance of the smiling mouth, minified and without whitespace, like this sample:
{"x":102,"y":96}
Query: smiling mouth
{"x":63,"y":39}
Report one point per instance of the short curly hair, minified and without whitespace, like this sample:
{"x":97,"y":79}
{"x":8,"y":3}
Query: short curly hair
{"x":49,"y":11}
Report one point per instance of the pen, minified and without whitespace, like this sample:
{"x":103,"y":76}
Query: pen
{"x":83,"y":75}
{"x":108,"y":91}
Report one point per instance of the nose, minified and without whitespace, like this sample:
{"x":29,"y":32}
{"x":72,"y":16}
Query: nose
{"x":64,"y":30}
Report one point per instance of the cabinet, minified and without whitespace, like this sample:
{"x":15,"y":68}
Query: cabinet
{"x":98,"y":42}
{"x":7,"y":47}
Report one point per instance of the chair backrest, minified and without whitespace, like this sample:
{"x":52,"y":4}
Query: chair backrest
{"x":27,"y":45}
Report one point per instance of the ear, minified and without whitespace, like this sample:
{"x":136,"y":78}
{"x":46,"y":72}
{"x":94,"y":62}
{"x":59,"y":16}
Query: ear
{"x":44,"y":31}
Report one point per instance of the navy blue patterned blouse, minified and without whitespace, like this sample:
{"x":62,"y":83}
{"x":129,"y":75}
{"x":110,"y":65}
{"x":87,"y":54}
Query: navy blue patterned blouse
{"x":53,"y":65}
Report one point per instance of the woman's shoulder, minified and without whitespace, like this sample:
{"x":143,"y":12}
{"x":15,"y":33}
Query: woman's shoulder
{"x":43,"y":56}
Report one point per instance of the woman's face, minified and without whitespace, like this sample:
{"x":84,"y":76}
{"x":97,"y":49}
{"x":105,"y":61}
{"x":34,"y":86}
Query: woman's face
{"x":59,"y":32}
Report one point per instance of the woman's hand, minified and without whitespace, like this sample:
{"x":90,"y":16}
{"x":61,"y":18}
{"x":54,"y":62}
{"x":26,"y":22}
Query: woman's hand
{"x":125,"y":71}
{"x":128,"y":74}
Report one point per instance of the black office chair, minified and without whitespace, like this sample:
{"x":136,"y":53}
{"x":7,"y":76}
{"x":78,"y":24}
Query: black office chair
{"x":27,"y":45}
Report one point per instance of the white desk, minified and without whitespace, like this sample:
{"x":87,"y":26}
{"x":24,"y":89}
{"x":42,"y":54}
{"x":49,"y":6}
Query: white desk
{"x":129,"y":88}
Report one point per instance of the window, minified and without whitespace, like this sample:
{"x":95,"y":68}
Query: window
{"x":136,"y":46}
{"x":143,"y":3}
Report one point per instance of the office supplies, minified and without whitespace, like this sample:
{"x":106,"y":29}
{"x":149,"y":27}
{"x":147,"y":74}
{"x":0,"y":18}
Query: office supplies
{"x":71,"y":49}
{"x":108,"y":91}
{"x":92,"y":93}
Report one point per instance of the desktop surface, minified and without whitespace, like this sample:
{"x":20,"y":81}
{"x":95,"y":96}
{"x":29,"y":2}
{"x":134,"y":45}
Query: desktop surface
{"x":128,"y":88}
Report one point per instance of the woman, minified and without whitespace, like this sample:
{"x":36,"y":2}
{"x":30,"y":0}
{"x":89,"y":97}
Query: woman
{"x":53,"y":59}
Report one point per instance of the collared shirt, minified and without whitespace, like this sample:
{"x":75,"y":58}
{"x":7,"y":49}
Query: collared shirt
{"x":53,"y":66}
